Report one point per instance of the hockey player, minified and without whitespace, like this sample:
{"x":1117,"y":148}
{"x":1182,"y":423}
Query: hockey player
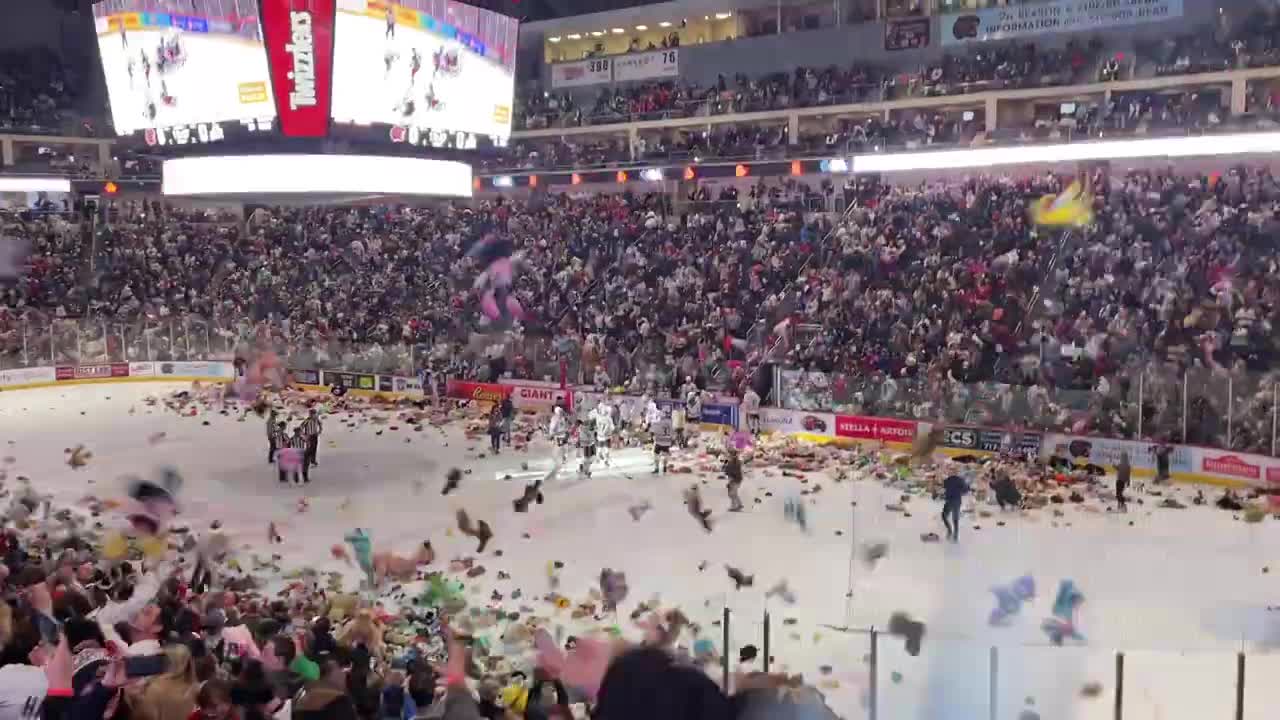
{"x":678,"y":421}
{"x":587,"y":445}
{"x":559,"y":432}
{"x":751,"y":410}
{"x":688,"y":386}
{"x":663,"y":439}
{"x":604,"y":429}
{"x":390,"y":34}
{"x":415,"y":64}
{"x":693,"y":414}
{"x":651,"y":412}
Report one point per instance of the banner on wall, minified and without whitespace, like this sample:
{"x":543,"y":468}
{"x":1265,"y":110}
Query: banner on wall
{"x":796,"y":421}
{"x":861,"y":427}
{"x":535,"y":395}
{"x":719,"y":414}
{"x":142,"y":369}
{"x":1227,"y":464}
{"x":352,"y":381}
{"x":646,"y":66}
{"x":27,"y":376}
{"x":406,"y":384}
{"x":958,"y":437}
{"x":1107,"y":452}
{"x":594,"y":71}
{"x":487,"y":392}
{"x":91,"y":372}
{"x":305,"y":377}
{"x":907,"y":34}
{"x":193,"y":369}
{"x":1056,"y":16}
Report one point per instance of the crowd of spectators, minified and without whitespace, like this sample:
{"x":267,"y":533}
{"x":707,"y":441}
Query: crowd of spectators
{"x":39,"y":92}
{"x":938,"y":300}
{"x":991,"y":66}
{"x":183,"y":634}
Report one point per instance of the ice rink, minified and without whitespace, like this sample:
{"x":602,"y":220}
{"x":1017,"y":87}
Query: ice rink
{"x":1180,"y":592}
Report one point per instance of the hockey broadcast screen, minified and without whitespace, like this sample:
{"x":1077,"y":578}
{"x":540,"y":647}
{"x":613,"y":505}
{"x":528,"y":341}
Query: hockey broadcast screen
{"x":183,"y":63}
{"x":422,"y":66}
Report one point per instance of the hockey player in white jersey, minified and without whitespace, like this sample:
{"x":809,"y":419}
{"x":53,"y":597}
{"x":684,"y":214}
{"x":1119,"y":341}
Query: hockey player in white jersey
{"x":605,"y":429}
{"x":651,"y":412}
{"x":663,"y":438}
{"x":559,"y":432}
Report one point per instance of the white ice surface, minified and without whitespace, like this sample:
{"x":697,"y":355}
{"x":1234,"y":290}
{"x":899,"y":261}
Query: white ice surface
{"x":1180,"y":592}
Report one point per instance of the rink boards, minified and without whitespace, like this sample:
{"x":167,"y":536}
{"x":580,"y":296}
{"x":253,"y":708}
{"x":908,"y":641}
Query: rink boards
{"x":1186,"y":463}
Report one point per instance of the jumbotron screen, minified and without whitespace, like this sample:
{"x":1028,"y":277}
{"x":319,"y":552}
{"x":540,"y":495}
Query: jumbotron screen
{"x":174,"y":63}
{"x":425,"y":64}
{"x":179,"y":69}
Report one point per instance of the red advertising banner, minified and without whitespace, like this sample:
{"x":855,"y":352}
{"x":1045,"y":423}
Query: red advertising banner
{"x":87,"y":372}
{"x":488,"y":392}
{"x":299,"y":40}
{"x":859,"y":427}
{"x":1231,"y":466}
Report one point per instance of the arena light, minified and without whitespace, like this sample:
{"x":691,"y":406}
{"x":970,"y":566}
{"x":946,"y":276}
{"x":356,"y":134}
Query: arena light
{"x":618,"y":31}
{"x":797,"y":168}
{"x":533,"y":181}
{"x":110,"y":188}
{"x":554,"y":39}
{"x":642,"y":28}
{"x":723,"y":15}
{"x":664,"y":23}
{"x":575,"y":36}
{"x":651,"y":175}
{"x":34,"y":184}
{"x":305,"y":174}
{"x":1204,"y":145}
{"x":742,"y":170}
{"x":690,"y":173}
{"x":575,"y":179}
{"x":504,"y":181}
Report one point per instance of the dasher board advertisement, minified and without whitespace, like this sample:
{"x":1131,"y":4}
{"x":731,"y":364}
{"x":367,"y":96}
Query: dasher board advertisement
{"x":174,"y":63}
{"x":426,"y":65}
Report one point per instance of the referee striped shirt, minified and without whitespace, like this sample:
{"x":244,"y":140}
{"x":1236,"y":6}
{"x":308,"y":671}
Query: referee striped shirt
{"x":279,"y":436}
{"x":311,"y":426}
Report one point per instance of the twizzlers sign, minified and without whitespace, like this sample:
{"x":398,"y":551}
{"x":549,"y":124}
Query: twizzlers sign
{"x":299,"y":39}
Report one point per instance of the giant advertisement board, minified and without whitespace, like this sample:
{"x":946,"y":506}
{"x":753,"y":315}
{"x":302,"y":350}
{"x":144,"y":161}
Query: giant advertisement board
{"x":182,"y":63}
{"x":424,"y":64}
{"x":536,"y":395}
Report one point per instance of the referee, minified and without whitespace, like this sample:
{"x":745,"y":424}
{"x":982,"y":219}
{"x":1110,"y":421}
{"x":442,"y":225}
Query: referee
{"x":278,"y":438}
{"x":272,"y":437}
{"x":311,"y":428}
{"x":301,"y":441}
